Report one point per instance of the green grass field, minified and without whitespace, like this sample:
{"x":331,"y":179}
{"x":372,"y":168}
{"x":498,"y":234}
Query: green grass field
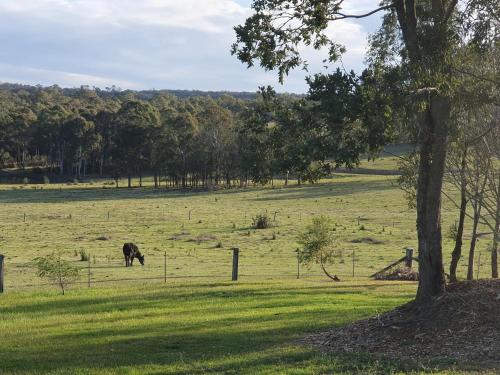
{"x":71,"y":218}
{"x":198,"y":321}
{"x":246,"y":328}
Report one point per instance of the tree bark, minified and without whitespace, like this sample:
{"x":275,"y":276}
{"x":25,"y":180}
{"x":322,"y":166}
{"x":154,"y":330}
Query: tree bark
{"x":496,"y":236}
{"x":472,"y":249}
{"x":457,"y":251}
{"x":334,"y":277}
{"x":433,"y":142}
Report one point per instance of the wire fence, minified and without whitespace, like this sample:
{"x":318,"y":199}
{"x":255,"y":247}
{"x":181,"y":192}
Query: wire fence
{"x":226,"y":266}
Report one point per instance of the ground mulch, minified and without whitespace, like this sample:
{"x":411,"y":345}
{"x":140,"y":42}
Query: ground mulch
{"x":462,"y":325}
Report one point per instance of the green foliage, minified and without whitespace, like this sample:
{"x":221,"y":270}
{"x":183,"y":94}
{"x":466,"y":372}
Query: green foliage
{"x":56,"y":270}
{"x":317,"y":242}
{"x":407,"y":181}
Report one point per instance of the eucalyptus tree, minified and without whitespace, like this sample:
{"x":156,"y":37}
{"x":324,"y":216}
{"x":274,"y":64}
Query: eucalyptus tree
{"x":81,"y":140}
{"x":137,"y":124}
{"x":421,"y":37}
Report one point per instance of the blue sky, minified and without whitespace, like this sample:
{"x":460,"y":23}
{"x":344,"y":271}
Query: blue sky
{"x":146,"y":44}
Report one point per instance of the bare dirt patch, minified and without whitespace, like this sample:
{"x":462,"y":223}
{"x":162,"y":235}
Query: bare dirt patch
{"x":104,"y":238}
{"x":461,"y":326}
{"x":367,"y":240}
{"x":202,"y":238}
{"x":179,"y":236}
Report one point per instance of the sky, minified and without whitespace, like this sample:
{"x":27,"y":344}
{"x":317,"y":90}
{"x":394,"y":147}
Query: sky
{"x":149,"y":44}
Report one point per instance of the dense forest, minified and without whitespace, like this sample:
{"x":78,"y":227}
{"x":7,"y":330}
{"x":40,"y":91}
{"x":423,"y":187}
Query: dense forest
{"x":189,"y":139}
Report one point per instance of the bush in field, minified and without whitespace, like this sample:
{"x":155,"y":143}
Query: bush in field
{"x":453,"y":231}
{"x":318,"y":244}
{"x":261,"y":221}
{"x":56,"y":270}
{"x":84,"y":257}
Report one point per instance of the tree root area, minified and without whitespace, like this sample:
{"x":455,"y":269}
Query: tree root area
{"x":461,"y":326}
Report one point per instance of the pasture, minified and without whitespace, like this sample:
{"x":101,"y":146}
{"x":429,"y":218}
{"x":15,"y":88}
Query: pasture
{"x":130,"y":322}
{"x":197,"y":230}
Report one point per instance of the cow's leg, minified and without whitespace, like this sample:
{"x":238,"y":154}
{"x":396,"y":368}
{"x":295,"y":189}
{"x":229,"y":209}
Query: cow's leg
{"x":131,"y":261}
{"x":127,"y":262}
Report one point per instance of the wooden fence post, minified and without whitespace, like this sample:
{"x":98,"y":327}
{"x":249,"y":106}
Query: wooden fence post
{"x":236,"y":256}
{"x":165,"y":267}
{"x":353,"y":261}
{"x":298,"y":264}
{"x":88,"y":273}
{"x":409,"y":257}
{"x":1,"y":273}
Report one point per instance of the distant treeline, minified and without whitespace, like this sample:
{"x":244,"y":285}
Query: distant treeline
{"x":183,"y":139}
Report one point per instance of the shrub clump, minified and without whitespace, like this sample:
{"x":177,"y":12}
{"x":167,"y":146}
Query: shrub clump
{"x":84,"y":256}
{"x":262,"y":221}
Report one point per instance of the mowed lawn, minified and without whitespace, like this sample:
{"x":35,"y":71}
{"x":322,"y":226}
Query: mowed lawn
{"x":244,"y":328}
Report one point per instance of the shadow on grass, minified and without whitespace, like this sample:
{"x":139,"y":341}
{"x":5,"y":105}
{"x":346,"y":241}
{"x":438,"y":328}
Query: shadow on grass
{"x":332,"y":190}
{"x":78,"y":194}
{"x":222,"y":329}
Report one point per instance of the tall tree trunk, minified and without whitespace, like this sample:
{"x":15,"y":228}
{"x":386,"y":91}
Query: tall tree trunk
{"x":101,"y":164}
{"x":472,"y":249}
{"x":61,"y":160}
{"x":496,"y":236}
{"x":433,"y":139}
{"x":457,"y":251}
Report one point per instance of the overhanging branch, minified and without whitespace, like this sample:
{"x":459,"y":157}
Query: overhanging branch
{"x":341,"y":16}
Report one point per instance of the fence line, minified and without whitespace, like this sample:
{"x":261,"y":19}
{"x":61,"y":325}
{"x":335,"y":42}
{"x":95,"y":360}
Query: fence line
{"x":163,"y":270}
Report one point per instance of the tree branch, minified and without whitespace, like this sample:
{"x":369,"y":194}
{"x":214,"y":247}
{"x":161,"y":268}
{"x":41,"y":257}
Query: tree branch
{"x":343,"y":16}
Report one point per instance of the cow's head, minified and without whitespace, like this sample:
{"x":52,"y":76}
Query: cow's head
{"x":141,"y":259}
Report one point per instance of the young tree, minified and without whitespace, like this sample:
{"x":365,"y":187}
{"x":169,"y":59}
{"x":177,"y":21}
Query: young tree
{"x":318,"y":244}
{"x":58,"y":271}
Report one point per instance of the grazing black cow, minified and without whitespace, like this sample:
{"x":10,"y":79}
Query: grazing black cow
{"x":131,"y":251}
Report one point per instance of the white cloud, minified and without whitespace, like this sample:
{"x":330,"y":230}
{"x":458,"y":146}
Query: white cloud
{"x":204,"y":15}
{"x":61,"y":78}
{"x":141,"y":44}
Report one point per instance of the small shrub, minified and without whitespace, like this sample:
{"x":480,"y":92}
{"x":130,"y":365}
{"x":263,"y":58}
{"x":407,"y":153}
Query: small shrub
{"x":46,"y":180}
{"x":362,"y":227}
{"x":273,"y":236}
{"x":453,"y":231}
{"x":219,"y":245}
{"x":84,"y":257}
{"x":25,"y":180}
{"x":261,"y":221}
{"x":58,"y":271}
